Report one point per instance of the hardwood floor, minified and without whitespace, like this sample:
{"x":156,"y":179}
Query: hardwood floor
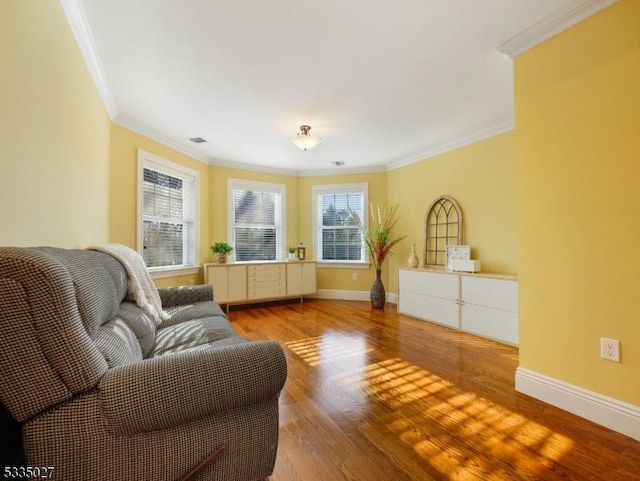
{"x":373,"y":395}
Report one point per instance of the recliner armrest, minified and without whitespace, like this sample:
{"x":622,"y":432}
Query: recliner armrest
{"x":171,"y":390}
{"x":179,"y":296}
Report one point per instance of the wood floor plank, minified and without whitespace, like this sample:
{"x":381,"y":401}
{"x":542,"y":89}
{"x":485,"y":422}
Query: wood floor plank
{"x":372,"y":395}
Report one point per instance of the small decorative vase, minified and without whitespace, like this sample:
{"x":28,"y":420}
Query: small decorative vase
{"x":414,"y":260}
{"x":377,"y":295}
{"x":222,"y":258}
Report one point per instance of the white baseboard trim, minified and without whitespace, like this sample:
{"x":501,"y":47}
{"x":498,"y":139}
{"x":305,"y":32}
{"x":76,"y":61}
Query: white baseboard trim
{"x":608,"y":412}
{"x":392,"y":297}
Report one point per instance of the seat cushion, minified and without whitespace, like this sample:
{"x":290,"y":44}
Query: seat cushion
{"x":195,"y":333}
{"x":192,"y":311}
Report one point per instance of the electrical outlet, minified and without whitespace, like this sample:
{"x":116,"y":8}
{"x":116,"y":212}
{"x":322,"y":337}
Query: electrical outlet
{"x":610,"y":349}
{"x":354,"y":276}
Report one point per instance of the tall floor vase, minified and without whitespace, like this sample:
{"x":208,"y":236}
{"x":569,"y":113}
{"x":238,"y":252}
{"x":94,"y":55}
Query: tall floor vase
{"x":378,"y":295}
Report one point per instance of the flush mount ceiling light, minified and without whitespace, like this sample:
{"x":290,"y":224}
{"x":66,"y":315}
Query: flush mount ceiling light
{"x":305,"y":141}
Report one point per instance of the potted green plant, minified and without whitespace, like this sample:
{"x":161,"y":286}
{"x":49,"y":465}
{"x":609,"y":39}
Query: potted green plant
{"x":291,"y":250}
{"x":221,"y":250}
{"x":379,"y":239}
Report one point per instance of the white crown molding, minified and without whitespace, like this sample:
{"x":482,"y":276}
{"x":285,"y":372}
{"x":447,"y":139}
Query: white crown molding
{"x":564,"y":18}
{"x":179,"y":147}
{"x":80,"y":27}
{"x":161,"y":139}
{"x":205,"y":159}
{"x":343,"y":171}
{"x":611,"y":413}
{"x":337,"y":171}
{"x":456,"y":144}
{"x":253,"y":167}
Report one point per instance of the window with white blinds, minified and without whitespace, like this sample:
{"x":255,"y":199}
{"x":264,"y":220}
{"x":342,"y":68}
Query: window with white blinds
{"x":256,"y":220}
{"x":337,"y":238}
{"x":167,"y":212}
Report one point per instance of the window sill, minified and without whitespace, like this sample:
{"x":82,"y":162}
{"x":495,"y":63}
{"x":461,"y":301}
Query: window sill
{"x":343,"y":265}
{"x":167,"y":272}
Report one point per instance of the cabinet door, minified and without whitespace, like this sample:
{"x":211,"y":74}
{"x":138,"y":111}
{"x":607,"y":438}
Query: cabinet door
{"x":428,"y":308}
{"x":489,"y":292}
{"x":301,"y":278}
{"x":217,"y":276}
{"x":431,"y":284}
{"x":494,"y":323}
{"x":309,"y":278}
{"x":490,"y":308}
{"x":237,"y":281}
{"x":431,"y":296}
{"x":294,"y":279}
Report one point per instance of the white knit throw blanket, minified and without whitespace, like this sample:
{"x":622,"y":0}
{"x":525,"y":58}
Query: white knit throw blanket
{"x":140,"y":286}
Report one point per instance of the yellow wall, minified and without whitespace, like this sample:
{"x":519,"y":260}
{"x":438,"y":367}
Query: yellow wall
{"x":69,"y":179}
{"x":54,"y":133}
{"x":481,"y":177}
{"x":578,"y":153}
{"x":335,"y":278}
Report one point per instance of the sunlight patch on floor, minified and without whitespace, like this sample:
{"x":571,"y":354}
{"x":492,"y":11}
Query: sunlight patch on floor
{"x":397,"y":384}
{"x":456,"y":430}
{"x":330,"y":348}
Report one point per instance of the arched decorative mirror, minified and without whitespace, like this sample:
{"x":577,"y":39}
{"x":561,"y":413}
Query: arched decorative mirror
{"x":443,"y":227}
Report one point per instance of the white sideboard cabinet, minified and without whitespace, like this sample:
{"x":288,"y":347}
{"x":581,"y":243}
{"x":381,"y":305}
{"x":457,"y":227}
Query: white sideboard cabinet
{"x":482,"y":304}
{"x":242,"y":282}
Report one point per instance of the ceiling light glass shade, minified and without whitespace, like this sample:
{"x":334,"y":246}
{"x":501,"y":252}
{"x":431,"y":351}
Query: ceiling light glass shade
{"x":305,"y":141}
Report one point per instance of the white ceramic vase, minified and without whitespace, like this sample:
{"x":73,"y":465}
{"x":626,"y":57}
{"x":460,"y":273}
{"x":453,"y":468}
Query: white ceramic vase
{"x":414,"y":260}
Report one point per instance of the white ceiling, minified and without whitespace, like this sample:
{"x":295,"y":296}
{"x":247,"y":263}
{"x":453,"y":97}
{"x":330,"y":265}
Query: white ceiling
{"x":382,"y":82}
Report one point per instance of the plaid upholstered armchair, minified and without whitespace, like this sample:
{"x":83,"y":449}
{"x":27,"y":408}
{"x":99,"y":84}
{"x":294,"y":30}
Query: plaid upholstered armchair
{"x":104,"y":392}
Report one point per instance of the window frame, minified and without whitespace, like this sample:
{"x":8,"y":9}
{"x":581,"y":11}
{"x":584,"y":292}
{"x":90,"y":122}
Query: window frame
{"x":153,"y":162}
{"x":258,"y":186}
{"x":317,"y":192}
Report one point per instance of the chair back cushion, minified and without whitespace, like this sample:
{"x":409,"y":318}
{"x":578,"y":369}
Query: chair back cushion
{"x":59,"y":324}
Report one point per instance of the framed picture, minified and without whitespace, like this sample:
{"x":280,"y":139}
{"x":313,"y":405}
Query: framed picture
{"x":455,"y":252}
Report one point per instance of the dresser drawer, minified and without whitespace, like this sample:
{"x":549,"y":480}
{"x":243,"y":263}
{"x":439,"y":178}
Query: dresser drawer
{"x":265,"y":271}
{"x":265,"y":291}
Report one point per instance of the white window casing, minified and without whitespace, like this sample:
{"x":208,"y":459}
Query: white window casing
{"x":256,"y":219}
{"x":167,"y":215}
{"x":338,"y":241}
